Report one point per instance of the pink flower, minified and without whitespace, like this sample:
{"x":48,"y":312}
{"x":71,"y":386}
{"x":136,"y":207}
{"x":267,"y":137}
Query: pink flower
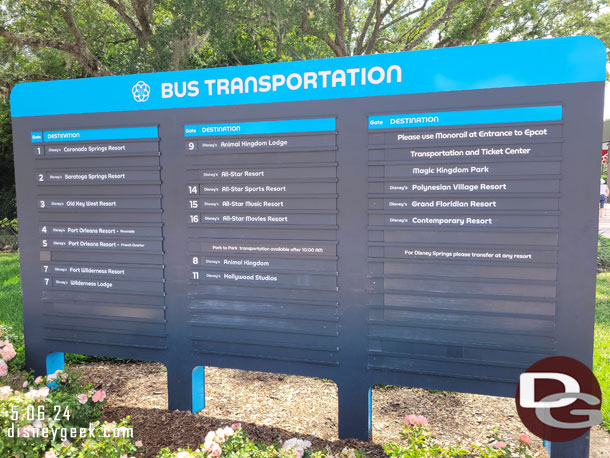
{"x":525,"y":439}
{"x":25,"y":384}
{"x":209,"y":437}
{"x":124,"y":455}
{"x":26,"y":431}
{"x":422,"y":420}
{"x":50,"y":454}
{"x":8,"y":352}
{"x":3,"y":368}
{"x":38,"y":380}
{"x":412,"y":420}
{"x":220,"y":435}
{"x":216,"y":450}
{"x":500,"y":444}
{"x":184,"y":454}
{"x":82,"y":398}
{"x":235,"y":426}
{"x":98,"y":396}
{"x":38,"y":395}
{"x":139,"y":444}
{"x":43,"y":392}
{"x":108,"y":428}
{"x":5,"y":392}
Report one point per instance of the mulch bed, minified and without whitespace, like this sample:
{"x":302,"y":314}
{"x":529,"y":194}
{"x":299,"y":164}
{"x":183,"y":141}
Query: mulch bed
{"x":276,"y":407}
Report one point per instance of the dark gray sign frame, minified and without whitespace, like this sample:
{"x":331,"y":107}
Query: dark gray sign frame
{"x":394,"y":320}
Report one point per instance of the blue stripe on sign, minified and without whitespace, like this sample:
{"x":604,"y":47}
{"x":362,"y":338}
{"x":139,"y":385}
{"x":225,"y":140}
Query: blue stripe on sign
{"x":36,"y":137}
{"x":455,"y":118}
{"x":120,"y":133}
{"x":500,"y":65}
{"x":261,"y":127}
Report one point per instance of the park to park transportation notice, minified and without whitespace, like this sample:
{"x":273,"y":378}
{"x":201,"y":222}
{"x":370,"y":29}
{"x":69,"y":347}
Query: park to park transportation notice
{"x":425,"y":219}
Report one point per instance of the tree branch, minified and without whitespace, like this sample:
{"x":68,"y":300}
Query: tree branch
{"x":93,"y":66}
{"x":144,"y":14}
{"x":372,"y":40}
{"x":307,"y":28}
{"x":340,"y":21}
{"x":120,"y":8}
{"x":404,"y":16}
{"x":451,"y":4}
{"x":474,"y":28}
{"x":42,"y":42}
{"x":363,"y":32}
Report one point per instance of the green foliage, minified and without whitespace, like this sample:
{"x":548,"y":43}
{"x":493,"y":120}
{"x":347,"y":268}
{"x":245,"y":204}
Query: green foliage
{"x":233,"y":442}
{"x":104,"y":443}
{"x":46,"y":411}
{"x":238,"y":445}
{"x":16,"y":339}
{"x":418,"y":443}
{"x":601,"y":353}
{"x":603,"y":253}
{"x":9,"y":230}
{"x":8,"y":204}
{"x":10,"y":294}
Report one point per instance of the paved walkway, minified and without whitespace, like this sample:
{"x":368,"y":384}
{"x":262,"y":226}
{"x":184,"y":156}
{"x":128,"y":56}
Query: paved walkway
{"x":604,"y":223}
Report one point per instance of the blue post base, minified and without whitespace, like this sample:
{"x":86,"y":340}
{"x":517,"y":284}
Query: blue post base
{"x":198,"y":389}
{"x":54,"y":362}
{"x":185,"y":388}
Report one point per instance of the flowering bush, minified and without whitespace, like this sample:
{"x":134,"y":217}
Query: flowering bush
{"x":345,"y":453}
{"x":38,"y":417}
{"x":234,"y":443}
{"x":504,"y":449}
{"x":420,"y":444}
{"x":11,"y":351}
{"x":55,"y":416}
{"x":107,"y":440}
{"x":7,"y":351}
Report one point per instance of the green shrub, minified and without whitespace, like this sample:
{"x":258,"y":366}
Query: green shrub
{"x":417,"y":442}
{"x":16,"y":363}
{"x":54,"y":416}
{"x":9,"y":231}
{"x":603,"y":253}
{"x":109,"y":440}
{"x":8,"y":203}
{"x":58,"y":403}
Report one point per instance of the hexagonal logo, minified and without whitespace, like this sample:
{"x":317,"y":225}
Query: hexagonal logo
{"x":140,"y":91}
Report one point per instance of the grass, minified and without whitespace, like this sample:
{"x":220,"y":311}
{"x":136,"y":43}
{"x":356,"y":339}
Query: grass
{"x":10,"y":313}
{"x":10,"y":291}
{"x":601,"y":354}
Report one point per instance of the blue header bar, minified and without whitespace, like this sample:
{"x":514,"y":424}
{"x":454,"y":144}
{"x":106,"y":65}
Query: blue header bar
{"x":82,"y":135}
{"x":36,"y":137}
{"x":514,"y":64}
{"x":456,"y":118}
{"x":261,"y":127}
